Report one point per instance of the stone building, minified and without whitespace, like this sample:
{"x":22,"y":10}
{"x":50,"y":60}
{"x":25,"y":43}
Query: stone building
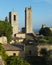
{"x":12,"y":49}
{"x":30,"y":50}
{"x":13,"y":19}
{"x":51,"y":28}
{"x":48,"y":47}
{"x":19,"y":37}
{"x":28,"y":20}
{"x":3,"y":40}
{"x":20,"y":50}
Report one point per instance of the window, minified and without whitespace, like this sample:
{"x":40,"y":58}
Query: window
{"x":30,"y":52}
{"x":14,"y":35}
{"x":14,"y":54}
{"x":14,"y":17}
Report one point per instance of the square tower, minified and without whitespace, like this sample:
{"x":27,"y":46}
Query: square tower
{"x":28,"y":20}
{"x":13,"y":19}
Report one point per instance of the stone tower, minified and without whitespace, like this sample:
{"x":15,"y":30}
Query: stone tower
{"x":28,"y":20}
{"x":13,"y":19}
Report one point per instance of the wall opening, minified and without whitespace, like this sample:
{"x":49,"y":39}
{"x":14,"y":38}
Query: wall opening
{"x":14,"y":17}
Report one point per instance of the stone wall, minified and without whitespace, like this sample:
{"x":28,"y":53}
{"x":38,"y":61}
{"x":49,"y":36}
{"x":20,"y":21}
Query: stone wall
{"x":30,"y":50}
{"x":18,"y":53}
{"x":20,"y":35}
{"x":48,"y":47}
{"x":3,"y":40}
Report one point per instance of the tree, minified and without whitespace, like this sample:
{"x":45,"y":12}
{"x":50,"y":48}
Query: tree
{"x":14,"y":60}
{"x":45,"y":31}
{"x":5,"y":29}
{"x":8,"y":31}
{"x":2,"y":52}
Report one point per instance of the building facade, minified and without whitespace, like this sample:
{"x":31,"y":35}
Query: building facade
{"x":3,"y":40}
{"x":48,"y":47}
{"x":13,"y":49}
{"x":28,"y":20}
{"x":51,"y":28}
{"x":13,"y":19}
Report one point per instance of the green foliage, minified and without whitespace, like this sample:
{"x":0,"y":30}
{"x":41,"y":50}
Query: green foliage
{"x":2,"y":52}
{"x":1,"y":49}
{"x":42,"y":41}
{"x":49,"y":39}
{"x":14,"y":60}
{"x":45,"y":31}
{"x":11,"y":60}
{"x":5,"y":29}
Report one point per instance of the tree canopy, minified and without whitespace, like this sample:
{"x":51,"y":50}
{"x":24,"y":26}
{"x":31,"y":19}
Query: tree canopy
{"x":2,"y":52}
{"x":45,"y":31}
{"x":5,"y":29}
{"x":14,"y":60}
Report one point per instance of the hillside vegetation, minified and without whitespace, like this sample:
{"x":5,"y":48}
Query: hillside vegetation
{"x":6,"y":30}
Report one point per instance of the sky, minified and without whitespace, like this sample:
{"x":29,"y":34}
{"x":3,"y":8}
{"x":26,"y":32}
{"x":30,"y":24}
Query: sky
{"x":41,"y":11}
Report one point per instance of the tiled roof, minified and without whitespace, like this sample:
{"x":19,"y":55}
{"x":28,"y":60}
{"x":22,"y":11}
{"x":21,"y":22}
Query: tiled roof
{"x":9,"y":47}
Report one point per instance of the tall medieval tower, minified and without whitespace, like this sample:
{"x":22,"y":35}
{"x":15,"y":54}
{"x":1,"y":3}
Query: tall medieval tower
{"x":28,"y":20}
{"x":13,"y":19}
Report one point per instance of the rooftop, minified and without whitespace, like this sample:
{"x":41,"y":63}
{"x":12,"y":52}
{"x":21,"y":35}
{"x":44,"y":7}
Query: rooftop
{"x":10,"y":47}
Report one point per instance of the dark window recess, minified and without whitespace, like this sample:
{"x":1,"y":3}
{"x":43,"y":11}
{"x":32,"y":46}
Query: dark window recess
{"x":30,"y":52}
{"x":14,"y":35}
{"x":14,"y":17}
{"x":14,"y":54}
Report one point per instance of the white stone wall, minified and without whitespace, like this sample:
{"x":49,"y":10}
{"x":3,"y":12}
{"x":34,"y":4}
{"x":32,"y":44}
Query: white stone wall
{"x":18,"y":53}
{"x":3,"y":40}
{"x":19,"y":40}
{"x":51,"y":28}
{"x":20,"y":35}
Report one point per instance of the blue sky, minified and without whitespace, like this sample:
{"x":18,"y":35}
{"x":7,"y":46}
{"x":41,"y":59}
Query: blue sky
{"x":41,"y":11}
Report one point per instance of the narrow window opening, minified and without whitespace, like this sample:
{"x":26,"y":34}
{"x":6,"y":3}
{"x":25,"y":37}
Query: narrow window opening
{"x":30,"y":52}
{"x":14,"y":17}
{"x":14,"y":54}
